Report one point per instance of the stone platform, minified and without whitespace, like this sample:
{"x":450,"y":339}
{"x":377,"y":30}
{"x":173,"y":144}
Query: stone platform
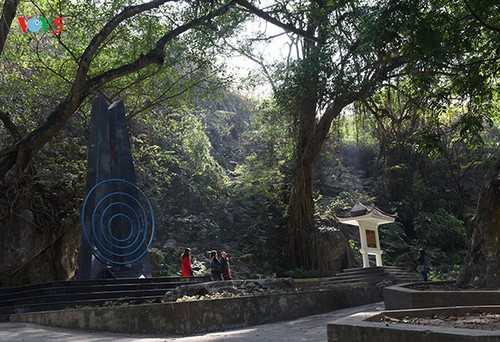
{"x":375,"y":326}
{"x":408,"y":296}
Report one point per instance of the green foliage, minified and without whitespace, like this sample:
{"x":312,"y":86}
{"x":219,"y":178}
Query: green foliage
{"x":156,"y":256}
{"x":440,"y":229}
{"x":157,"y":261}
{"x":177,"y":154}
{"x":394,"y":234}
{"x":256,"y":195}
{"x":195,"y":228}
{"x":447,"y":266}
{"x":354,"y":245}
{"x":397,"y":246}
{"x":258,"y":189}
{"x":356,"y":127}
{"x":346,"y":200}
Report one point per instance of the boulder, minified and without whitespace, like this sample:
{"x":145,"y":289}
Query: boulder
{"x":333,"y":250}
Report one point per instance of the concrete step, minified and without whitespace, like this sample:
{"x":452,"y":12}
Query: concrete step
{"x":103,"y":294}
{"x":101,"y":282}
{"x":62,"y":295}
{"x":373,"y":275}
{"x":66,"y":289}
{"x":364,"y":270}
{"x":62,"y":305}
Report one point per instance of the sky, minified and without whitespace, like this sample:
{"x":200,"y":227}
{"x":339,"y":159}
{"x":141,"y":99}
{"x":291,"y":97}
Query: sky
{"x":276,"y":50}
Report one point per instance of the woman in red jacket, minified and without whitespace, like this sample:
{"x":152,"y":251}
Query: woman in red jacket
{"x":187,"y":270}
{"x":224,"y":266}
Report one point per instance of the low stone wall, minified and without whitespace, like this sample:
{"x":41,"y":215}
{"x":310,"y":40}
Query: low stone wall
{"x":366,"y":327}
{"x":185,"y":318}
{"x":401,"y":297}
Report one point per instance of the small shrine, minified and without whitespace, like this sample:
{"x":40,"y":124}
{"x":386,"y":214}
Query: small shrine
{"x":368,"y":221}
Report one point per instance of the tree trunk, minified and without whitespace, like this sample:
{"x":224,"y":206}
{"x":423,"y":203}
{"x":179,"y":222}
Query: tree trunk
{"x":301,"y":229}
{"x":312,"y":134}
{"x":482,"y":264}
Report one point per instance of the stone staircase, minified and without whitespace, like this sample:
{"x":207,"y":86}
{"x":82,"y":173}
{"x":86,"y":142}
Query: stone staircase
{"x":81,"y":293}
{"x":389,"y":274}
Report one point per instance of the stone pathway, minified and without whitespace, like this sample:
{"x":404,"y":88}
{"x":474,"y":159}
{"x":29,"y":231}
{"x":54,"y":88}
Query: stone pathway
{"x":311,"y":328}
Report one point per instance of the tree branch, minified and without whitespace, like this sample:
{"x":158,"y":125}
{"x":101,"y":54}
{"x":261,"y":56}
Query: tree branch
{"x":163,"y":95}
{"x":154,"y":56}
{"x":11,"y":126}
{"x":258,"y":61}
{"x":99,"y":38}
{"x":23,"y":151}
{"x":323,"y":126}
{"x":481,"y":21}
{"x":287,"y":27}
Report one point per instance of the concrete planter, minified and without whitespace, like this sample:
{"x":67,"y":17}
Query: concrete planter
{"x":366,"y":327}
{"x":402,"y":297}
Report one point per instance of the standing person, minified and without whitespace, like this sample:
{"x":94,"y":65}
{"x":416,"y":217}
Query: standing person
{"x":422,"y":264}
{"x":225,"y":270}
{"x":215,"y":266}
{"x":187,"y":270}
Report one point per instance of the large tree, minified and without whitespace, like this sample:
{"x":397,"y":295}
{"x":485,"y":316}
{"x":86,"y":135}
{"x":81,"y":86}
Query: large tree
{"x":337,"y":64}
{"x":482,"y":264}
{"x":351,"y":49}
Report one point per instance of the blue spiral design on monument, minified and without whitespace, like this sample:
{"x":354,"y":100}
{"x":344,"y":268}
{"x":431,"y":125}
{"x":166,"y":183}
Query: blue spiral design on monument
{"x":117,"y":222}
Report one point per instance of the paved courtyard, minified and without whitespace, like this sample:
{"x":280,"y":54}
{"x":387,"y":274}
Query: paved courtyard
{"x":311,"y":328}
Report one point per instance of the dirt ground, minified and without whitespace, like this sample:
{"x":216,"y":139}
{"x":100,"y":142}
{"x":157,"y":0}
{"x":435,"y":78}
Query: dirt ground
{"x":476,"y":320}
{"x":432,"y":286}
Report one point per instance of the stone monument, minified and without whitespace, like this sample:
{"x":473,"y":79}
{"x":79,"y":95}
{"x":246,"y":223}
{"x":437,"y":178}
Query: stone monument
{"x":117,"y":218}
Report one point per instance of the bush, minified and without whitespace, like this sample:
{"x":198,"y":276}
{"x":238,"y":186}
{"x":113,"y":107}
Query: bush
{"x":440,"y":229}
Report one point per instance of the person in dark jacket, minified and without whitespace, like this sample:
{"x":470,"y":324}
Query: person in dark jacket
{"x":186,"y":269}
{"x":422,"y":264}
{"x":215,"y":266}
{"x":225,"y":270}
